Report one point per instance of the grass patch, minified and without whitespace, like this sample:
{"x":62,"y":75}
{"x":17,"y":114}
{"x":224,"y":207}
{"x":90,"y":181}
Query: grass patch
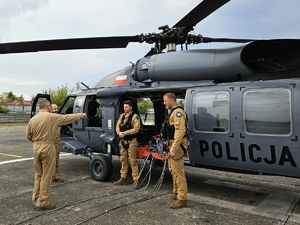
{"x":12,"y":124}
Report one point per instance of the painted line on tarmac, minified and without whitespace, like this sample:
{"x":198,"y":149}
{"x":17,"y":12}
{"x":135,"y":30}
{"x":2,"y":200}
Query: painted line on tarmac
{"x":26,"y":159}
{"x":16,"y":156}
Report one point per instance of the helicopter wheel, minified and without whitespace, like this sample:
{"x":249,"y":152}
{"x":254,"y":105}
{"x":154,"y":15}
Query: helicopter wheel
{"x":101,"y":168}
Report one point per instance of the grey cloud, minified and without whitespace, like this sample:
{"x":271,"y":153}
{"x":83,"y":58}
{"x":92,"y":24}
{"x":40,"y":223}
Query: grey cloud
{"x":15,"y":8}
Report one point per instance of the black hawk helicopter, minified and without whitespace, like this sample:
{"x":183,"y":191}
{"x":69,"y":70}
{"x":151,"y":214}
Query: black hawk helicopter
{"x":241,"y":101}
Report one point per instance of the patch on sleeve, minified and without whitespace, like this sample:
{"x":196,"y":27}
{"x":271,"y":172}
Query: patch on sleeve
{"x":179,"y":114}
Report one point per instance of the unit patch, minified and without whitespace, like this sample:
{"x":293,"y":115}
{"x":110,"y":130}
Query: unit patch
{"x":178,"y":114}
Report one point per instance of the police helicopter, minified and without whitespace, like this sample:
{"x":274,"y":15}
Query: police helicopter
{"x":241,"y":101}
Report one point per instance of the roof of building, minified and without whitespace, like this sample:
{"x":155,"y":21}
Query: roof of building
{"x":16,"y":102}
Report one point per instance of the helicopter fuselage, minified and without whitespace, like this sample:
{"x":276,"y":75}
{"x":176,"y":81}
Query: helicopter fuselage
{"x":233,"y":123}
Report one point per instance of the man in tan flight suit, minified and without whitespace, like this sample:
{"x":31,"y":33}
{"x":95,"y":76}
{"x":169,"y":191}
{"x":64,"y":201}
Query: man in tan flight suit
{"x":56,"y":178}
{"x":177,"y":119}
{"x":127,"y":128}
{"x":41,"y":130}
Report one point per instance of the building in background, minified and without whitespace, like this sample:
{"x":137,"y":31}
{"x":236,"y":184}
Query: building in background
{"x":15,"y":106}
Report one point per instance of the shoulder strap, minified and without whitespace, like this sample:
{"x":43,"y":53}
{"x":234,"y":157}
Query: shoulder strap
{"x":129,"y":118}
{"x":123,"y":118}
{"x":185,"y":116}
{"x":172,"y":110}
{"x":167,"y":116}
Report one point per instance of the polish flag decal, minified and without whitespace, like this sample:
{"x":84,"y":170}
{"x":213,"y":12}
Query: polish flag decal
{"x":121,"y":79}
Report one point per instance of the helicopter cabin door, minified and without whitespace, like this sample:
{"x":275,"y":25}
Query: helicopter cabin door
{"x":36,"y":100}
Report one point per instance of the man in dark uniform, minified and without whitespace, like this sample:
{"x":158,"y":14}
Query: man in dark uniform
{"x":41,"y":130}
{"x":177,"y":145}
{"x":56,"y":178}
{"x":127,"y":128}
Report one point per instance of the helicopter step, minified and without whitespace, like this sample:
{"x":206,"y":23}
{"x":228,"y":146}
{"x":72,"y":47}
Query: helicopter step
{"x":72,"y":146}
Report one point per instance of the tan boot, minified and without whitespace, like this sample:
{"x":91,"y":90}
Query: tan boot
{"x":60,"y":180}
{"x":135,"y":184}
{"x":47,"y":207}
{"x":172,"y":196}
{"x":122,"y":181}
{"x":178,"y":204}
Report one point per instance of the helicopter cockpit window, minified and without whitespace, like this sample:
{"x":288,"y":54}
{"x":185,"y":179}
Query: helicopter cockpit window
{"x":211,"y":111}
{"x":267,"y":111}
{"x":68,"y":106}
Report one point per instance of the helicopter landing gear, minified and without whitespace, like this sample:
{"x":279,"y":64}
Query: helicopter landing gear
{"x":101,"y":168}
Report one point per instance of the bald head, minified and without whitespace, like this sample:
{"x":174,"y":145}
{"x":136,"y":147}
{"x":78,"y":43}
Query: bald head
{"x":54,"y":108}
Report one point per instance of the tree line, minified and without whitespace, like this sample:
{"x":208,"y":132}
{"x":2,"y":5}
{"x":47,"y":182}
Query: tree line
{"x":57,"y":96}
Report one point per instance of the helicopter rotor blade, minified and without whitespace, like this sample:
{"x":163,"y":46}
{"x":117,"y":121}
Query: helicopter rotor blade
{"x":201,"y":11}
{"x":232,"y":40}
{"x":69,"y":44}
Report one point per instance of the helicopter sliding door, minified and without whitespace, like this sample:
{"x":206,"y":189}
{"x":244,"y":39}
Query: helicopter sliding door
{"x":208,"y":119}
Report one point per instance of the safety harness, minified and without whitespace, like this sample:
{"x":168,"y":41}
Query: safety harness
{"x":127,"y":126}
{"x":168,"y":130}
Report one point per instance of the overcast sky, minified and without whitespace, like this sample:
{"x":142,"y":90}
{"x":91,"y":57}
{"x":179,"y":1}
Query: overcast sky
{"x":25,"y":20}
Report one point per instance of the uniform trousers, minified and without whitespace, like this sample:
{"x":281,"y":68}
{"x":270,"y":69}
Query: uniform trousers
{"x":176,"y":168}
{"x":44,"y":167}
{"x":131,"y":154}
{"x":57,"y":151}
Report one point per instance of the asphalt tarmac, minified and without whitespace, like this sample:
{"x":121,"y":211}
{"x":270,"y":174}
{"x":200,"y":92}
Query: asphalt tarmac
{"x":215,"y":197}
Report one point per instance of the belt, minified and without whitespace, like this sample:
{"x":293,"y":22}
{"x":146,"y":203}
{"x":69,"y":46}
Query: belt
{"x":44,"y":142}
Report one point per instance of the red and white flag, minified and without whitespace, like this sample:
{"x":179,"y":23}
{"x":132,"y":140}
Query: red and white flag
{"x":121,"y":79}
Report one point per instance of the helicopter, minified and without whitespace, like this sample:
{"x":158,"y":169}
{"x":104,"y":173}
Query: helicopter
{"x":241,"y":101}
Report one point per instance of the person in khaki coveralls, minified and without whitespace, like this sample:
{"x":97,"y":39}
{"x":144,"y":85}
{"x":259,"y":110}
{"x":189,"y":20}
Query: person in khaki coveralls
{"x":41,"y":130}
{"x":177,"y":119}
{"x":127,"y":132}
{"x":56,"y":178}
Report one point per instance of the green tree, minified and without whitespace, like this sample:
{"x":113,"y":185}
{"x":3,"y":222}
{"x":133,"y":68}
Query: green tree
{"x":144,"y":105}
{"x":3,"y":109}
{"x":20,"y":99}
{"x":180,"y":102}
{"x":11,"y":97}
{"x":58,"y":95}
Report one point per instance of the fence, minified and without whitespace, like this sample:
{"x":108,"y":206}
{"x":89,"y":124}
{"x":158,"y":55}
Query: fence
{"x":19,"y":117}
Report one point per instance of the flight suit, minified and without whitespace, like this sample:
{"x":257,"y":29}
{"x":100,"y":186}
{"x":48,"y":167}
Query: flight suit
{"x":57,"y":148}
{"x":41,"y":130}
{"x":176,"y":164}
{"x":132,"y":149}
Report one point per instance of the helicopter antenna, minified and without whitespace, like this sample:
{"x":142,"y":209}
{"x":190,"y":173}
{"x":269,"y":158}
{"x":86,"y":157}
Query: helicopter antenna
{"x":85,"y":85}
